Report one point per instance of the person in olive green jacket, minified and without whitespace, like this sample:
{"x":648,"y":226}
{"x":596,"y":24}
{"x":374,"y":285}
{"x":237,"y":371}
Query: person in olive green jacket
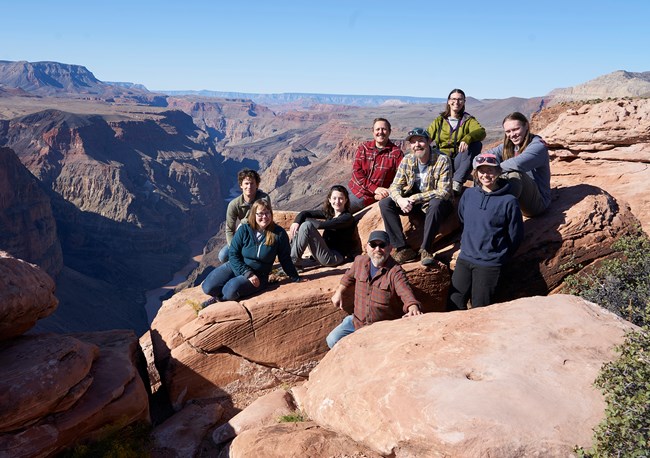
{"x":457,"y":134}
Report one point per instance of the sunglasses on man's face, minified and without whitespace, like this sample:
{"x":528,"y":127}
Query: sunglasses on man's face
{"x":373,"y":245}
{"x":486,"y":160}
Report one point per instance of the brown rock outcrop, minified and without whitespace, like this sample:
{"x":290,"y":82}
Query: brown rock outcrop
{"x":70,"y":388}
{"x":26,"y":295}
{"x":264,"y":411}
{"x":297,"y":440}
{"x":180,"y":435}
{"x":240,"y":350}
{"x":27,"y":225}
{"x":606,"y":145}
{"x":508,"y":380}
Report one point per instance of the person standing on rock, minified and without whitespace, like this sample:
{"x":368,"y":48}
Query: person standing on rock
{"x":525,"y":163}
{"x":377,"y":280}
{"x":422,"y":184}
{"x":374,"y":167}
{"x":238,"y":208}
{"x":339,"y":229}
{"x":493,"y":229}
{"x":252,"y":253}
{"x":457,"y":134}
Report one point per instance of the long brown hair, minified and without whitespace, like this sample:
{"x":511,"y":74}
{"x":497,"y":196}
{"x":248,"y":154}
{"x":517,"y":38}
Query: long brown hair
{"x":445,"y":114}
{"x":327,"y":206}
{"x":508,"y":146}
{"x":262,"y":204}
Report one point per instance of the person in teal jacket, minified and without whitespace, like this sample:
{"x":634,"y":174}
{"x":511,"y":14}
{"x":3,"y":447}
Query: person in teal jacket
{"x":457,"y":134}
{"x":252,"y":253}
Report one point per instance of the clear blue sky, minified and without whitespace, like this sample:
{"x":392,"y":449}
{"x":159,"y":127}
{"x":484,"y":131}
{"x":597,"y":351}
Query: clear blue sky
{"x":491,"y":49}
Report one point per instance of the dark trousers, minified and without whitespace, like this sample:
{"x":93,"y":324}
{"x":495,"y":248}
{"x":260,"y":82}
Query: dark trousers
{"x":480,"y":281}
{"x":462,"y":162}
{"x":436,"y":212}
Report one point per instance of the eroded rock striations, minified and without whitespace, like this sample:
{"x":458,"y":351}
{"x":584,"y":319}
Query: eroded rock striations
{"x":606,"y":145}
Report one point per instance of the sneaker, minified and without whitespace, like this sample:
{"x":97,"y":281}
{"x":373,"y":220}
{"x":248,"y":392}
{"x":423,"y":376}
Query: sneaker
{"x":405,"y":255}
{"x":212,"y":300}
{"x":426,"y":258}
{"x":457,"y":187}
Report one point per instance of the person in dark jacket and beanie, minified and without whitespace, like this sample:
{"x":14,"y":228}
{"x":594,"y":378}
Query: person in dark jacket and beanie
{"x":493,"y":229}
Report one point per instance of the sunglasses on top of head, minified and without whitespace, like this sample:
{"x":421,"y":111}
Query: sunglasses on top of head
{"x":486,"y":160}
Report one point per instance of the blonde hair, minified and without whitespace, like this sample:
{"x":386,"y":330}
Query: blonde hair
{"x":269,"y":235}
{"x":508,"y":146}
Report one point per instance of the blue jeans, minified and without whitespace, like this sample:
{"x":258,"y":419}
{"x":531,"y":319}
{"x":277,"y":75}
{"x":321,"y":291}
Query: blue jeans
{"x":345,"y":328}
{"x":223,"y":254}
{"x":225,"y":285}
{"x":462,"y":163}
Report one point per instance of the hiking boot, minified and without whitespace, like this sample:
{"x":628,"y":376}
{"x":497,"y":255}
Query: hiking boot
{"x":405,"y":255}
{"x":212,"y":300}
{"x":427,"y":259}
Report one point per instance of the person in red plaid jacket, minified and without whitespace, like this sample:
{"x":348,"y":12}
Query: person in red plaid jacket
{"x":374,"y":167}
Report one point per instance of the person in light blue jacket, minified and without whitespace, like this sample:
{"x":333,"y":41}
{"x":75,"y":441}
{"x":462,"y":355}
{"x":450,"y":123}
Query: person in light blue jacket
{"x":526,"y":165}
{"x":252,"y":253}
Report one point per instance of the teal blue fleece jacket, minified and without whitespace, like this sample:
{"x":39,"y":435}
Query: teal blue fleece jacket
{"x":249,"y":257}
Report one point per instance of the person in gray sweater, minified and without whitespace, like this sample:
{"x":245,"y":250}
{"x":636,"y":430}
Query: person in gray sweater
{"x":525,"y":163}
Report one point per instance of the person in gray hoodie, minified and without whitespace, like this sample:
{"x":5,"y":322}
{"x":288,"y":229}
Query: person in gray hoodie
{"x":525,"y":163}
{"x":493,"y":229}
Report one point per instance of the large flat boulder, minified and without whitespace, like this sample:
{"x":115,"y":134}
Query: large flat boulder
{"x":509,"y":380}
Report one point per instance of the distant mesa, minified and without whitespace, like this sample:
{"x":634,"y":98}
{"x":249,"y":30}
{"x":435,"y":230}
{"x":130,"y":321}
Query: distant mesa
{"x":54,"y":79}
{"x":307,"y":99}
{"x":617,"y":84}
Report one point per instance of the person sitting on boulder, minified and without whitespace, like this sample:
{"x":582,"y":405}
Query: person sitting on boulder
{"x":338,"y":240}
{"x":457,"y":134}
{"x":238,"y":208}
{"x":252,"y":253}
{"x":493,"y":229}
{"x":374,"y":167}
{"x":525,"y":162}
{"x":422,"y":185}
{"x":377,"y":280}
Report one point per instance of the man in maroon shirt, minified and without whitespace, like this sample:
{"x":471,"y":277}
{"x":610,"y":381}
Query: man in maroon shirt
{"x":374,"y":167}
{"x":377,"y":280}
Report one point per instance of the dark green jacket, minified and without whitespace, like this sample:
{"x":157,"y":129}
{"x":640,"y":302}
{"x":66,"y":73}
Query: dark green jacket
{"x":468,"y":130}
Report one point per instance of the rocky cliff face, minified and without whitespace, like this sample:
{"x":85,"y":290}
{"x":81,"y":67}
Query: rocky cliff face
{"x":127,"y":194}
{"x":27,"y":225}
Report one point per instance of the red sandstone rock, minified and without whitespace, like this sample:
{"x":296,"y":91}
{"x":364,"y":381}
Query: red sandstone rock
{"x":265,"y":411}
{"x":297,"y":440}
{"x":508,"y":380}
{"x":115,"y":397}
{"x":608,"y":144}
{"x":26,"y":295}
{"x":181,"y":434}
{"x":241,"y":350}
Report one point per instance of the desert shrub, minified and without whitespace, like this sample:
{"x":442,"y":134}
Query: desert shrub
{"x":133,"y":441}
{"x":622,"y":285}
{"x":293,"y":417}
